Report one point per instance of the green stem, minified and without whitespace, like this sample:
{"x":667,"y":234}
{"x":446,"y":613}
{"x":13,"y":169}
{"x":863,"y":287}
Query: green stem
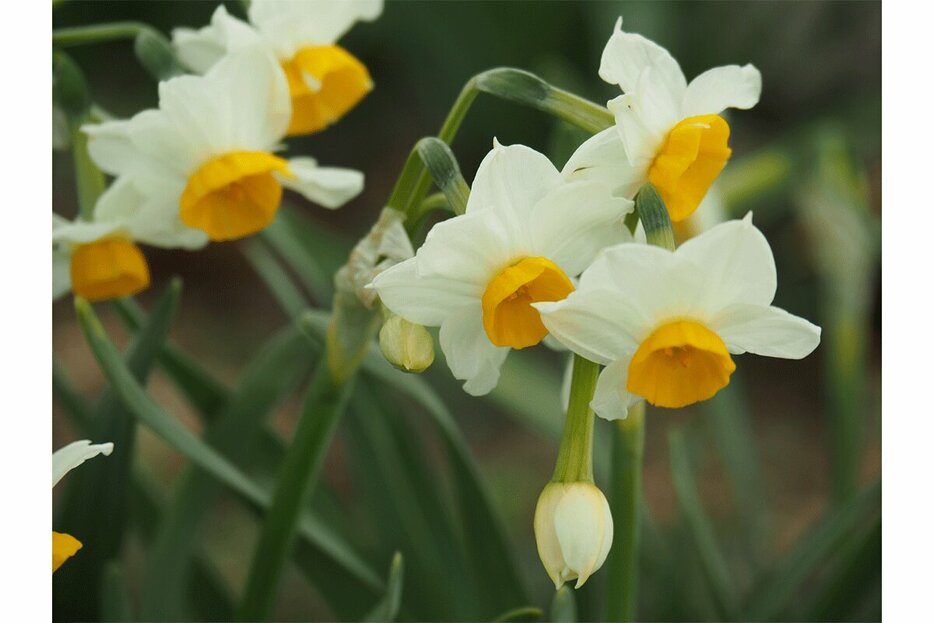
{"x":324,"y":404}
{"x":625,"y":496}
{"x":575,"y":456}
{"x":81,"y":35}
{"x":654,"y":216}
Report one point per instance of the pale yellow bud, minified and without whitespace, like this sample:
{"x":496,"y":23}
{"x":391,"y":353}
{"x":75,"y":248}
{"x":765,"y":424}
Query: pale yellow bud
{"x":406,"y":345}
{"x":573,"y":530}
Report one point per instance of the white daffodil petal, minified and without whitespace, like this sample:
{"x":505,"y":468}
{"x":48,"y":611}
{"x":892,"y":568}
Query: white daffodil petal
{"x":640,"y":143}
{"x":737,"y":262}
{"x":720,"y":88}
{"x":767,"y":331}
{"x":81,"y":232}
{"x":627,"y":55}
{"x":469,"y":353}
{"x":253,"y":80}
{"x":597,"y":324}
{"x":511,"y":180}
{"x":471,"y":247}
{"x":330,"y":187}
{"x":110,"y":145}
{"x":602,"y":158}
{"x":199,"y":50}
{"x":610,"y":400}
{"x":638,"y":271}
{"x":74,"y":454}
{"x":572,"y":244}
{"x":425,"y":300}
{"x":61,"y":273}
{"x":292,"y":24}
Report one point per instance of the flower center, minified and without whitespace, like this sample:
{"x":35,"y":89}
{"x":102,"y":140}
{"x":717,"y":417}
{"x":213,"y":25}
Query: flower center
{"x":108,"y":268}
{"x":325,"y":82}
{"x":680,"y":363}
{"x":508,"y":316}
{"x":64,"y":546}
{"x":233,"y":195}
{"x":690,"y":160}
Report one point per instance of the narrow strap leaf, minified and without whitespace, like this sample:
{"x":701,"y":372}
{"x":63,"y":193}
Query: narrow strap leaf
{"x":388,"y":607}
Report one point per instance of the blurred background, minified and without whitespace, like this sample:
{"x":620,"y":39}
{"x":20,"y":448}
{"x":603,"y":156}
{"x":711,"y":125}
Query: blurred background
{"x":771,"y":457}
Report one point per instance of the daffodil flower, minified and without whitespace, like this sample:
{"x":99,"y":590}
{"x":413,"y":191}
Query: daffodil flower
{"x":100,"y":259}
{"x":205,"y":156}
{"x":666,"y":324}
{"x":667,"y":132}
{"x":325,"y":80}
{"x":525,"y":234}
{"x":64,"y":546}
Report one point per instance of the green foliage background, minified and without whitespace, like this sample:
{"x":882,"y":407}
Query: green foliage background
{"x":760,"y":504}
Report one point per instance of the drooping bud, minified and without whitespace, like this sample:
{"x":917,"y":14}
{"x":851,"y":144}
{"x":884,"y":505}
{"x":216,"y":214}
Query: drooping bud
{"x":573,"y":530}
{"x":406,"y":345}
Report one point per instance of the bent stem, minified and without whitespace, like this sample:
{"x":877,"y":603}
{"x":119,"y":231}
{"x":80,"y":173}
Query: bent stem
{"x":575,"y":456}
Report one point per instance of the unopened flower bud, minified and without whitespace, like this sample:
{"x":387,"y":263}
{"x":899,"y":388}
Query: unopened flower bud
{"x":406,"y":345}
{"x":573,"y":530}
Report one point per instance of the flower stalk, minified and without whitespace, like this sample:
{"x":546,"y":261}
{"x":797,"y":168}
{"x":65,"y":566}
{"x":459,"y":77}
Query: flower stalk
{"x":575,"y":456}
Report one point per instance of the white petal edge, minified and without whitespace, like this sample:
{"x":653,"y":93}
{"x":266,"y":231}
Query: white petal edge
{"x":611,"y":400}
{"x":201,"y":49}
{"x":74,"y":454}
{"x":511,"y":180}
{"x":602,"y":158}
{"x":426,"y":300}
{"x":330,"y":187}
{"x":596,"y":324}
{"x":737,"y":263}
{"x":720,"y":88}
{"x":468,"y":351}
{"x":573,"y":223}
{"x":766,"y":331}
{"x":626,"y":55}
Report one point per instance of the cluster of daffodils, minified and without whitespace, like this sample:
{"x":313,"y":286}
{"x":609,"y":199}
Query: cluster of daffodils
{"x":205,"y":165}
{"x":64,"y":546}
{"x":542,"y":252}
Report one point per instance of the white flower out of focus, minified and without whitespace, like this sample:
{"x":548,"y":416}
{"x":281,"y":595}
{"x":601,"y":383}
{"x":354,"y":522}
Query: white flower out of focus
{"x":64,"y":546}
{"x":525,"y":234}
{"x":665,"y":324}
{"x":204,"y":159}
{"x":573,"y":531}
{"x":667,"y":132}
{"x":325,"y":81}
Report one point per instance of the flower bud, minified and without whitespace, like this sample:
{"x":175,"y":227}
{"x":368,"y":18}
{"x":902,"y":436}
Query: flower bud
{"x":573,"y":530}
{"x":406,"y":345}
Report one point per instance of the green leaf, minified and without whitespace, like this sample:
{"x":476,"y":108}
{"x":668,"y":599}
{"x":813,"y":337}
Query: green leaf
{"x":280,"y":284}
{"x":388,"y":607}
{"x":202,"y":390}
{"x":69,"y":398}
{"x":100,"y":525}
{"x":285,"y":240}
{"x":780,"y":588}
{"x":851,"y":576}
{"x":268,"y":380}
{"x":716,"y":571}
{"x":320,"y":538}
{"x":323,"y":406}
{"x":517,"y":615}
{"x":115,"y":598}
{"x":407,"y":507}
{"x":728,"y":415}
{"x":491,"y":560}
{"x":563,"y":606}
{"x":323,"y":557}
